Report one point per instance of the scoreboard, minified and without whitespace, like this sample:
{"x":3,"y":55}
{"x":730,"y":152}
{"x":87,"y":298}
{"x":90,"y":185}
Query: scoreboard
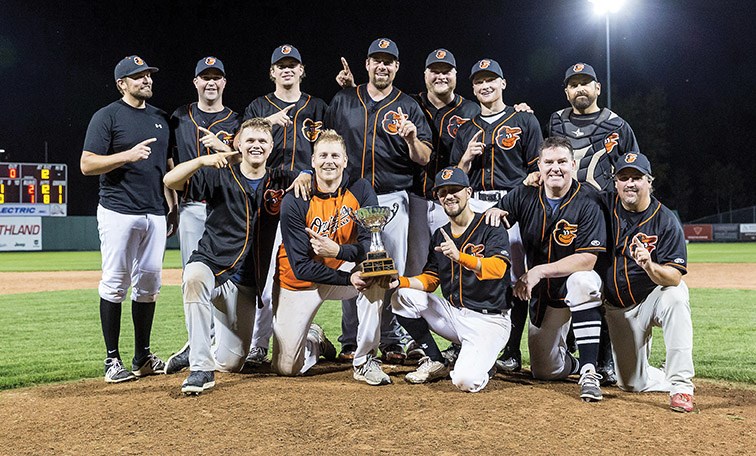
{"x":33,"y":189}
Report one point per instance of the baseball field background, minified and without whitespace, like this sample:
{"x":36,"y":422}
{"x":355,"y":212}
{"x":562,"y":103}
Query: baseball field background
{"x":51,"y":354}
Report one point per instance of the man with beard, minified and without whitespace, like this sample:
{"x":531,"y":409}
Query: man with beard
{"x":599,"y":137}
{"x":469,"y":260}
{"x":387,"y":139}
{"x":127,"y":146}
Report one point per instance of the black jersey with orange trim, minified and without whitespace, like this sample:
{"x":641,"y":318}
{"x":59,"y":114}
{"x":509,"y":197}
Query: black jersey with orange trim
{"x":185,"y":123}
{"x":577,"y":225}
{"x":370,"y":129}
{"x":510,"y":153}
{"x":444,"y":123}
{"x":293,"y":144}
{"x":461,"y":286}
{"x":598,"y":144}
{"x":657,"y":228}
{"x":328,"y":214}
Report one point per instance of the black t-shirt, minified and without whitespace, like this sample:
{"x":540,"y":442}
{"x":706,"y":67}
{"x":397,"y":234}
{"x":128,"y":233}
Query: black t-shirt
{"x":134,"y":188}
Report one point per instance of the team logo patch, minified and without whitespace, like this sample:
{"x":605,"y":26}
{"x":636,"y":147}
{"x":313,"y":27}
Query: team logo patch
{"x":507,"y":137}
{"x":578,"y":67}
{"x":611,"y":142}
{"x":285,"y":49}
{"x":474,"y":249}
{"x":210,"y":61}
{"x":447,"y":174}
{"x":391,"y":121}
{"x":630,"y":158}
{"x":383,"y":44}
{"x":272,"y":201}
{"x":311,"y":129}
{"x":649,"y":242}
{"x":595,"y":243}
{"x":225,"y":136}
{"x":484,"y":64}
{"x":138,"y":60}
{"x":454,"y":123}
{"x":565,"y":232}
{"x":440,"y":54}
{"x":679,"y":260}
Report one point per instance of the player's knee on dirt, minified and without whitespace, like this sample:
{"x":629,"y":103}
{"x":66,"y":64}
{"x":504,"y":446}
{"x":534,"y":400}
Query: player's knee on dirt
{"x":583,"y":290}
{"x":469,"y":382}
{"x":146,"y":286}
{"x":228,"y":361}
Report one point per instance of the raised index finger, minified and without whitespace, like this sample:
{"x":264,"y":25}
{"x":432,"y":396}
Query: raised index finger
{"x":148,"y":141}
{"x":477,"y":136}
{"x":446,"y":236}
{"x":288,"y":108}
{"x":205,"y":130}
{"x":345,"y":65}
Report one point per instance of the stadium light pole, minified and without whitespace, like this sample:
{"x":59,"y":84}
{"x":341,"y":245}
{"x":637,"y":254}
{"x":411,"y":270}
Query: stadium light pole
{"x":605,"y":8}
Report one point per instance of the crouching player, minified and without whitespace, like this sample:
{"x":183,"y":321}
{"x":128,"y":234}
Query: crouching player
{"x":470,"y":260}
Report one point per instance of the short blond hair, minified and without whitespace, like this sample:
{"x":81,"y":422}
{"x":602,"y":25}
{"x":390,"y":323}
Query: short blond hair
{"x":258,"y":123}
{"x":331,"y":136}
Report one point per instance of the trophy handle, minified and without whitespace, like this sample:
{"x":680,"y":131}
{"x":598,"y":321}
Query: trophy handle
{"x":394,"y":210}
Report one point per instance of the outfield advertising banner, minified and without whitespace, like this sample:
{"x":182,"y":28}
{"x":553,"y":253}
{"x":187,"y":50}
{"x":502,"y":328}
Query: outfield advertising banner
{"x":20,"y":233}
{"x":698,"y":232}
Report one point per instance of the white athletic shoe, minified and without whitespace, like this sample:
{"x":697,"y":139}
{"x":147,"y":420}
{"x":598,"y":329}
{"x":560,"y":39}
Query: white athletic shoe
{"x":590,"y":386}
{"x":428,"y":371}
{"x":116,"y":373}
{"x":371,"y":373}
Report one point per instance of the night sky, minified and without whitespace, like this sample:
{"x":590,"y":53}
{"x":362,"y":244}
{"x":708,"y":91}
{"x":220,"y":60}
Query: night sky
{"x":682,"y":71}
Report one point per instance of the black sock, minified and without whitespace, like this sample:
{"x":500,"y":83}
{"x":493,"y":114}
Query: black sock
{"x":418,"y":329}
{"x":110,"y":318}
{"x":587,"y":327}
{"x":605,"y":346}
{"x":519,"y":316}
{"x":142,"y":313}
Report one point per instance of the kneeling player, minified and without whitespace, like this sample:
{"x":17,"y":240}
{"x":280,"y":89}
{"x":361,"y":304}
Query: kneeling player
{"x":321,"y":244}
{"x":469,"y":259}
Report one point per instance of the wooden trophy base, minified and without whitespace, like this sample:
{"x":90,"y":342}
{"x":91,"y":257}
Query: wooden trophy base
{"x":378,"y":264}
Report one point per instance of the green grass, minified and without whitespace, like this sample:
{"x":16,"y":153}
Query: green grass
{"x":735,"y":252}
{"x":66,"y":261}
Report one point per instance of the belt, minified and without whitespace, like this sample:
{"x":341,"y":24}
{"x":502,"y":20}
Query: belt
{"x":487,"y":311}
{"x":489,"y":195}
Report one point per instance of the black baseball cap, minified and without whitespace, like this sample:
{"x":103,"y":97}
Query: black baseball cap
{"x":579,"y":68}
{"x":490,"y":65}
{"x":132,"y":64}
{"x":451,"y":175}
{"x":283,"y":51}
{"x":440,"y":56}
{"x":208,"y":63}
{"x":633,"y":160}
{"x":385,"y":46}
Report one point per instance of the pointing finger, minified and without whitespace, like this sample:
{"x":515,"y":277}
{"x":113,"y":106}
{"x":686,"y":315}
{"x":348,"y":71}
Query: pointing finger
{"x":446,"y":236}
{"x":311,"y":232}
{"x":205,"y":130}
{"x":147,"y":141}
{"x":345,"y":65}
{"x":476,"y":137}
{"x":401,"y":114}
{"x":287,"y":109}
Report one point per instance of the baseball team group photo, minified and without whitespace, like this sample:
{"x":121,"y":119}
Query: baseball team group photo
{"x":446,"y":269}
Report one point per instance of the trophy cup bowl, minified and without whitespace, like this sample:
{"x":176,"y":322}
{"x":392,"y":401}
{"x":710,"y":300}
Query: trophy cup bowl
{"x":378,"y":263}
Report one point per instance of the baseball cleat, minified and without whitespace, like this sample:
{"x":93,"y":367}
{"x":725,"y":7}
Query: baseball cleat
{"x":152,"y":365}
{"x":327,"y":350}
{"x":371,"y":373}
{"x":393,"y":354}
{"x":116,"y":373}
{"x":590,"y":386}
{"x":347,"y":353}
{"x":415,"y":352}
{"x":428,"y":371}
{"x":197,"y":382}
{"x":178,"y":361}
{"x":509,"y":361}
{"x":606,"y":370}
{"x":451,"y":353}
{"x":257,"y":356}
{"x":681,"y":402}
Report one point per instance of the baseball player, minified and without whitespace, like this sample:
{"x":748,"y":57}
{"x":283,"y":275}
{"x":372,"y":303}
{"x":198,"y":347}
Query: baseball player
{"x":599,"y":137}
{"x":213,"y":288}
{"x":498,"y":149}
{"x":644,"y":286}
{"x":297,"y":120}
{"x":469,"y":259}
{"x":127,"y":146}
{"x":201,"y":128}
{"x":321,"y":244}
{"x":387,"y":139}
{"x":564,"y":231}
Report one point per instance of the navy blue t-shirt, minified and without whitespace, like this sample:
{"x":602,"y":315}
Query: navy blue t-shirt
{"x":134,"y":188}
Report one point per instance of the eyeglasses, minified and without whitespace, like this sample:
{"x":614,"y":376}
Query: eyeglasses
{"x":448,"y":190}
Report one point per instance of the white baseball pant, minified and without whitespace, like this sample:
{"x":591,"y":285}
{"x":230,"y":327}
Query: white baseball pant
{"x":192,"y":216}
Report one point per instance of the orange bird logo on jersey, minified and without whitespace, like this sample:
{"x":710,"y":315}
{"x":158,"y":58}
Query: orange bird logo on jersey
{"x":311,"y":129}
{"x":391,"y":122}
{"x":649,"y":242}
{"x":474,"y":249}
{"x":611,"y":142}
{"x":272,"y":201}
{"x":226,"y":137}
{"x":565,"y":232}
{"x":454,"y":123}
{"x":507,"y":137}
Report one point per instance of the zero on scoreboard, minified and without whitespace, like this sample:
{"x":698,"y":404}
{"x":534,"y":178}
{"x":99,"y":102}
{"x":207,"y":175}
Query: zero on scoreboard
{"x":33,"y":189}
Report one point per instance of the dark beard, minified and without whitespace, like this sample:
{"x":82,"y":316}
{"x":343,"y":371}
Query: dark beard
{"x":582,"y":103}
{"x":457,"y":212}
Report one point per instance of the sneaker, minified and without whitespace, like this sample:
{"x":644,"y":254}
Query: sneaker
{"x":451,"y":353}
{"x":681,"y":402}
{"x":327,"y":350}
{"x":371,"y":373}
{"x":606,"y":370}
{"x":509,"y":361}
{"x":257,"y":356}
{"x":428,"y":371}
{"x":590,"y":386}
{"x":116,"y":373}
{"x":393,"y":354}
{"x":347,"y":353}
{"x":197,"y":382}
{"x":178,"y":361}
{"x":415,"y":352}
{"x":152,"y":365}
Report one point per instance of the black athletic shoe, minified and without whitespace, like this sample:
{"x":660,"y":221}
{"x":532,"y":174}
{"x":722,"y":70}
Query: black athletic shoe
{"x":197,"y":382}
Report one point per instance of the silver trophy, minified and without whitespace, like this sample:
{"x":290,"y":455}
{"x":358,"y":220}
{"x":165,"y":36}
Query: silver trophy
{"x":378,"y":263}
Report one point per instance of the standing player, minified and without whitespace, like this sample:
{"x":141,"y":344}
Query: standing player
{"x":321,"y":244}
{"x":599,"y":137}
{"x":498,"y":149}
{"x":127,"y":146}
{"x":387,"y":139}
{"x":563,"y":230}
{"x":212,"y":289}
{"x":201,"y":128}
{"x":466,"y":254}
{"x":644,"y":287}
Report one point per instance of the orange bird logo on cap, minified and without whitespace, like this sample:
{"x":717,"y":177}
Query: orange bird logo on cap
{"x":578,"y":67}
{"x":611,"y":142}
{"x":565,"y":232}
{"x":484,"y":64}
{"x":440,"y":54}
{"x":383,"y":44}
{"x":210,"y":61}
{"x":630,"y":158}
{"x":507,"y":137}
{"x":285,"y":50}
{"x":138,"y":60}
{"x":447,"y":174}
